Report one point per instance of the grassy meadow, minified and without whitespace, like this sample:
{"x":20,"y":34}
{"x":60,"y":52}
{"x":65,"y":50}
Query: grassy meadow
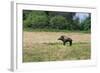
{"x":44,"y":46}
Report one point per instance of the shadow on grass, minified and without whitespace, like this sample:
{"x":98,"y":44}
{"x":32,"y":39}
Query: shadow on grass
{"x":52,"y":43}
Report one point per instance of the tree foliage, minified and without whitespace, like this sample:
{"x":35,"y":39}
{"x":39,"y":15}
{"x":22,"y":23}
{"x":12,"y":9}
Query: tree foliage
{"x":86,"y":24}
{"x":58,"y":22}
{"x":54,"y":20}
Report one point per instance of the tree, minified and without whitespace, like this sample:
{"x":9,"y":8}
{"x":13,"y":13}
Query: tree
{"x":35,"y":19}
{"x":58,"y":22}
{"x":76,"y":24}
{"x":54,"y":20}
{"x":40,"y":22}
{"x":86,"y":24}
{"x":26,"y":13}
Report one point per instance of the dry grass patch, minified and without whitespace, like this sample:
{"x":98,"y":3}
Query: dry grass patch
{"x":50,"y":52}
{"x":51,"y":37}
{"x":44,"y":46}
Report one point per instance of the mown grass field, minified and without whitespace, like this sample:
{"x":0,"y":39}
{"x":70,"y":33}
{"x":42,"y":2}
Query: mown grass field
{"x":44,"y":46}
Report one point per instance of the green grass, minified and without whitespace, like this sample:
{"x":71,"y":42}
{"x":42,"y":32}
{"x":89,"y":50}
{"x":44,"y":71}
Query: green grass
{"x":57,"y":52}
{"x":54,"y":30}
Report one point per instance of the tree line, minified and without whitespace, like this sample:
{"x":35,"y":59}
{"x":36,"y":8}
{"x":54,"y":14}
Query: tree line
{"x":54,"y":20}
